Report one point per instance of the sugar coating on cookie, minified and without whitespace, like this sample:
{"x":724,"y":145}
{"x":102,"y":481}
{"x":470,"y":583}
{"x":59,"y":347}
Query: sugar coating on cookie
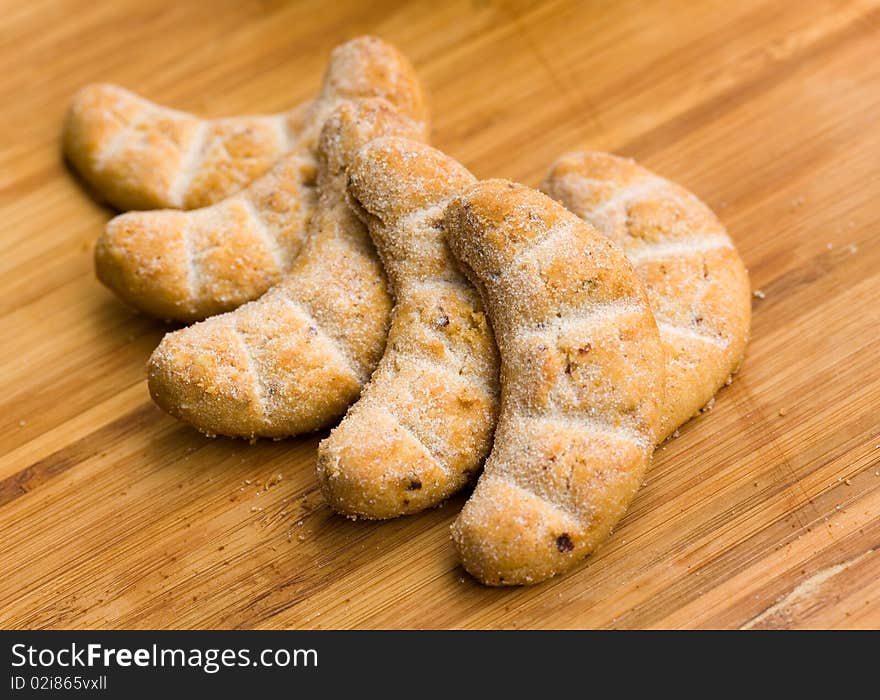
{"x":139,"y":155}
{"x":697,"y":285}
{"x":423,"y":425}
{"x":188,"y":265}
{"x":581,"y":378}
{"x":295,"y":359}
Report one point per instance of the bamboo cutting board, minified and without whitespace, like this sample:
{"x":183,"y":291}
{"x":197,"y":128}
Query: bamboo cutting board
{"x":764,"y":512}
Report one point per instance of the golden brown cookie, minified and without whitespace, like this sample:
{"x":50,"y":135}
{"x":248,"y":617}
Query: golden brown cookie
{"x":139,"y":155}
{"x":296,"y":358}
{"x":424,"y":422}
{"x":697,"y":285}
{"x":188,"y":265}
{"x":581,"y":379}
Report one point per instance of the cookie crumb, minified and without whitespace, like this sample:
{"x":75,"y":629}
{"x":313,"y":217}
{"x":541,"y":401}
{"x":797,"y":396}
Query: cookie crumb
{"x":759,"y":294}
{"x":782,"y":411}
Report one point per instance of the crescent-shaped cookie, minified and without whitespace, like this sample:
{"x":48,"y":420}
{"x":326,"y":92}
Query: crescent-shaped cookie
{"x":424,"y":423}
{"x":295,"y":359}
{"x":140,"y":155}
{"x":581,"y":383}
{"x":697,"y":285}
{"x":188,"y":265}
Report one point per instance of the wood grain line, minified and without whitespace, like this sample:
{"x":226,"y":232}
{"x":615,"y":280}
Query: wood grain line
{"x":43,"y":471}
{"x":677,"y":128}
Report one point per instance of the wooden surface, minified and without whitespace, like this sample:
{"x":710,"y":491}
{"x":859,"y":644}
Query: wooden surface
{"x":763,"y":513}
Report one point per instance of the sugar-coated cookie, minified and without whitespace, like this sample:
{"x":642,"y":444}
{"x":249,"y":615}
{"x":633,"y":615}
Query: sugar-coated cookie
{"x":697,"y":285}
{"x":424,"y":423}
{"x":140,"y":155}
{"x":582,"y":369}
